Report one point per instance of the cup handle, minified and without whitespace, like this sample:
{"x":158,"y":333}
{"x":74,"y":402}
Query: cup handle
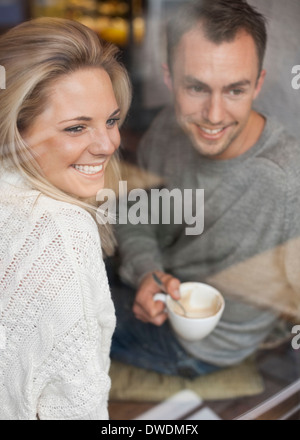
{"x":160,"y":297}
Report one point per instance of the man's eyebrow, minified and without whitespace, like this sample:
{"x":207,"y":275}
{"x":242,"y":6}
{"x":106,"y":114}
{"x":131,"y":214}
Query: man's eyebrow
{"x":191,"y":80}
{"x":196,"y":82}
{"x":242,"y":83}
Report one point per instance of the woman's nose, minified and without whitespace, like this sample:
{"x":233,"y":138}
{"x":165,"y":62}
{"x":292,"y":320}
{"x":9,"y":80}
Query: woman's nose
{"x":103,"y":143}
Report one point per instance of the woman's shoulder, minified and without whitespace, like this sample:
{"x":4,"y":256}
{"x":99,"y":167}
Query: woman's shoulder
{"x":64,"y":214}
{"x":75,"y":244}
{"x":29,"y":215}
{"x":73,"y":224}
{"x":19,"y":199}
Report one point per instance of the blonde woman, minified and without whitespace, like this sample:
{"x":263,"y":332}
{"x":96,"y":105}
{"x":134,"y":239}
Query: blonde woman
{"x":65,"y":98}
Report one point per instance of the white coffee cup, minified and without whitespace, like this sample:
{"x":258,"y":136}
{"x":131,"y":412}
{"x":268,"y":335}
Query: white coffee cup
{"x":204,"y":304}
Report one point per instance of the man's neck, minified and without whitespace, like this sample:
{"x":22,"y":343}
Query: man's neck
{"x":255,"y":129}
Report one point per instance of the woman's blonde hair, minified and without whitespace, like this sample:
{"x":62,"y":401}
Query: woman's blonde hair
{"x":35,"y":54}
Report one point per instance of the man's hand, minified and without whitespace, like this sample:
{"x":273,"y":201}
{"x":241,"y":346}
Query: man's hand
{"x":148,"y":310}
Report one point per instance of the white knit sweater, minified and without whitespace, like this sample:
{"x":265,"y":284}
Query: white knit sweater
{"x":56,"y":313}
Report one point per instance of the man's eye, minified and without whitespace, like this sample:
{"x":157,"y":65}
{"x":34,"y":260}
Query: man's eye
{"x":75,"y":129}
{"x":112,"y":122}
{"x":236,"y":92}
{"x":196,"y":89}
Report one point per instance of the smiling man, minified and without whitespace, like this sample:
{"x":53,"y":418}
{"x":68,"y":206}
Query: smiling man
{"x":214,"y":91}
{"x":249,"y":168}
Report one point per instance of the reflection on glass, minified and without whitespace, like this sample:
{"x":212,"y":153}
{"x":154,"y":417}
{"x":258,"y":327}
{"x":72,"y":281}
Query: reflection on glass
{"x":113,"y":20}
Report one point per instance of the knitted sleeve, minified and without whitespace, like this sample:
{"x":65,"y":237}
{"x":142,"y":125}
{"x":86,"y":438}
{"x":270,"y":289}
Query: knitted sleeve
{"x":76,"y":329}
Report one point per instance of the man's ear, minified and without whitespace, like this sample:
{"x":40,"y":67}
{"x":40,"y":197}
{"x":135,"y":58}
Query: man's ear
{"x":260,"y":83}
{"x":167,"y":77}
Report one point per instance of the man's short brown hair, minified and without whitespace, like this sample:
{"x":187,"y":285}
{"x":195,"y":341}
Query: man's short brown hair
{"x":220,"y":20}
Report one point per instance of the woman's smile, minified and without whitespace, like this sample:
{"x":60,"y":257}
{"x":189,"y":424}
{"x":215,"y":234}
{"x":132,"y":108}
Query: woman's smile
{"x":89,"y":170}
{"x":77,"y":134}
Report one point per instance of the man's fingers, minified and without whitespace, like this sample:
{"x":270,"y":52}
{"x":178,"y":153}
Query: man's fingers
{"x":150,"y":308}
{"x":172,"y":285}
{"x":145,"y":308}
{"x":155,"y":316}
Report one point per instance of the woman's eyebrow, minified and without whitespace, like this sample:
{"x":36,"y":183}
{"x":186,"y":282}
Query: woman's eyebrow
{"x":87,"y":118}
{"x":77,"y":118}
{"x":115,"y":113}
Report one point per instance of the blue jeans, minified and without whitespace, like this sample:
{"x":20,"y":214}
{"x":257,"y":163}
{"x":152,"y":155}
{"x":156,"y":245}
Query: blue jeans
{"x":148,"y":346}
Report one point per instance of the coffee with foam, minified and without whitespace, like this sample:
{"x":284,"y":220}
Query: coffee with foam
{"x":204,"y":304}
{"x":197,"y":304}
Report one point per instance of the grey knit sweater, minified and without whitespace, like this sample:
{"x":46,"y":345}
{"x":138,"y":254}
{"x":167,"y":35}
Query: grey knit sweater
{"x":249,"y":249}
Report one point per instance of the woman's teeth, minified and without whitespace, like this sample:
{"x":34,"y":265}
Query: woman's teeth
{"x":88,"y":169}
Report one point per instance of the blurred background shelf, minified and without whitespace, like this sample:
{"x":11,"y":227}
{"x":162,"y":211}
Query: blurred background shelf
{"x":13,"y":12}
{"x":120,"y":22}
{"x":135,"y":26}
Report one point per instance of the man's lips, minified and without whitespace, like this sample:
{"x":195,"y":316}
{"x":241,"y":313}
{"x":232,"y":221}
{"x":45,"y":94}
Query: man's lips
{"x":212,"y":133}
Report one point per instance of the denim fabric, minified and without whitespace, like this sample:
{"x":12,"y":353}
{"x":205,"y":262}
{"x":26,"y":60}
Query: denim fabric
{"x":148,"y":346}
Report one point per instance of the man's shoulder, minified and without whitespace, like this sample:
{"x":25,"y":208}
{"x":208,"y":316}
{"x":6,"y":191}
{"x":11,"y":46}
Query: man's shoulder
{"x":163,"y":137}
{"x":165,"y":117}
{"x":164,"y":125}
{"x":279,"y":146}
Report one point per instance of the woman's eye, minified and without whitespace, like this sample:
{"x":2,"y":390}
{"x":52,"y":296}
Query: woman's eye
{"x":75,"y":129}
{"x":112,"y":122}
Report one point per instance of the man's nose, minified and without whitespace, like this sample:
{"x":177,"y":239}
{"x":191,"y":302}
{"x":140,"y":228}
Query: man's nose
{"x":214,"y":110}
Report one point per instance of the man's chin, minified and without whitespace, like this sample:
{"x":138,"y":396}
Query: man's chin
{"x":209,"y":151}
